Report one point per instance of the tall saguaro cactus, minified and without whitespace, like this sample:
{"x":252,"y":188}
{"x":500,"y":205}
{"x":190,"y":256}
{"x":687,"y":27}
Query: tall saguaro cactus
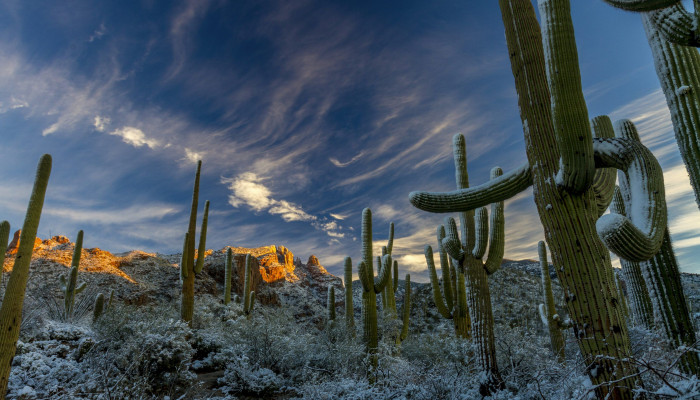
{"x":248,"y":292}
{"x":545,"y":67}
{"x":548,"y":312}
{"x":371,"y":286}
{"x":11,"y":309}
{"x":349,"y":307}
{"x":663,"y":278}
{"x":189,"y":267}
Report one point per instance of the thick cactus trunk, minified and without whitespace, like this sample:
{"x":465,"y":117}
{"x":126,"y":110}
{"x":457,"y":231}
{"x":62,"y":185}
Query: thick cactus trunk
{"x":187,"y":299}
{"x":640,"y":303}
{"x":13,"y":301}
{"x":349,"y":308}
{"x":582,"y":262}
{"x":677,"y":68}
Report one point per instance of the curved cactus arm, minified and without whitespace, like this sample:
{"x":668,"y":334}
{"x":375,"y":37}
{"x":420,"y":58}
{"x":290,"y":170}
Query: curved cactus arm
{"x":184,"y":258}
{"x":641,"y":5}
{"x":481,"y":240}
{"x":569,"y":111}
{"x":604,"y":179}
{"x":639,"y":237}
{"x":443,"y":309}
{"x":77,"y":250}
{"x":349,"y":309}
{"x":406,"y":309}
{"x":451,"y":242}
{"x":384,"y":274}
{"x":445,"y":267}
{"x":202,"y":248}
{"x":80,"y":288}
{"x":4,"y":237}
{"x":13,"y":301}
{"x":677,"y":25}
{"x":493,"y":191}
{"x":366,"y":278}
{"x":497,"y":241}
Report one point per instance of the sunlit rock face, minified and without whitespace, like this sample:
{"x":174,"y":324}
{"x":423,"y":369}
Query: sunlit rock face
{"x":14,"y":244}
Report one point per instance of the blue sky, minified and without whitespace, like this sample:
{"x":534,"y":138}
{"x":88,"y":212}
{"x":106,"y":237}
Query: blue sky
{"x":303,"y":113}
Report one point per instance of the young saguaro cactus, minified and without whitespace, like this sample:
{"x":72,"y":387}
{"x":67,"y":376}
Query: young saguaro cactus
{"x":405,"y":311}
{"x":548,"y":312}
{"x":561,"y":152}
{"x":330,"y":305}
{"x":248,"y":293}
{"x":371,"y":286}
{"x":69,"y":282}
{"x":98,"y":308}
{"x":11,"y":309}
{"x":663,"y":278}
{"x":188,"y":266}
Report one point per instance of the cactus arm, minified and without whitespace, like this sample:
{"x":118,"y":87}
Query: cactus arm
{"x":435,"y":285}
{"x":202,"y":240}
{"x":641,"y":5}
{"x":569,"y":111}
{"x":604,"y":179}
{"x":638,"y":237}
{"x":451,"y":242}
{"x":481,"y":222}
{"x":493,"y":191}
{"x":676,"y":25}
{"x":406,"y":309}
{"x":13,"y":301}
{"x":365,"y":277}
{"x":62,"y":280}
{"x":466,"y":218}
{"x":4,"y":237}
{"x":349,"y":309}
{"x":384,"y":275}
{"x":445,"y":268}
{"x":396,"y":275}
{"x":77,"y":250}
{"x":497,"y":240}
{"x":80,"y":288}
{"x":183,"y":259}
{"x":331,"y":303}
{"x":250,"y":299}
{"x":366,"y":239}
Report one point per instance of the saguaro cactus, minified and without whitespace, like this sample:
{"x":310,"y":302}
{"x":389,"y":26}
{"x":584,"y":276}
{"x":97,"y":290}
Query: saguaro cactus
{"x":189,"y":267}
{"x":248,"y":292}
{"x":11,"y":309}
{"x":371,"y":286}
{"x":349,"y":308}
{"x":642,"y":309}
{"x":663,"y":277}
{"x":406,"y":311}
{"x":227,"y":276}
{"x":557,"y":133}
{"x":453,"y":304}
{"x":330,"y":305}
{"x":99,"y":307}
{"x":669,"y":17}
{"x":69,"y":282}
{"x":548,"y":312}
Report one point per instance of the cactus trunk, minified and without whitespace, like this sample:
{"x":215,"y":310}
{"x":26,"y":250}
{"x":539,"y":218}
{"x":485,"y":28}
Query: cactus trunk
{"x":349,"y":308}
{"x":13,"y":301}
{"x":227,"y":276}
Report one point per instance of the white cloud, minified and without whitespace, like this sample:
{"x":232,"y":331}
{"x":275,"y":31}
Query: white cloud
{"x":99,"y":32}
{"x":339,"y":164}
{"x":135,"y":137}
{"x":338,"y":216}
{"x":124,"y":216}
{"x":192,"y":156}
{"x":101,"y":123}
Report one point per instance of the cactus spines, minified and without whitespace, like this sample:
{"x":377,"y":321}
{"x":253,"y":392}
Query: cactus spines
{"x":69,"y":283}
{"x":604,"y":179}
{"x":248,"y":293}
{"x":641,"y":5}
{"x":189,"y":267}
{"x":330,"y":306}
{"x":458,"y":311}
{"x":406,"y":311}
{"x":548,"y":311}
{"x":349,"y":308}
{"x":622,"y":297}
{"x":228,"y":273}
{"x":11,"y":309}
{"x":99,"y":307}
